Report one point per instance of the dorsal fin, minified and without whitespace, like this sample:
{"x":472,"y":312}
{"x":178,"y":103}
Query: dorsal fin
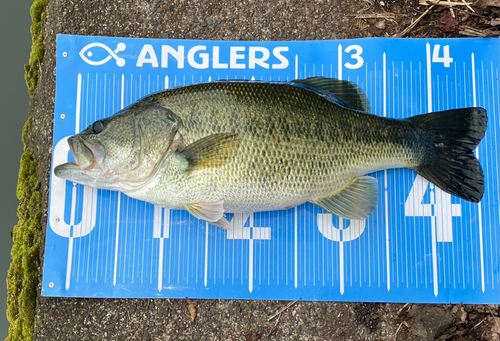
{"x":349,"y":94}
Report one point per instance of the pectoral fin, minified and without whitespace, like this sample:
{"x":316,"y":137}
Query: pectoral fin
{"x":356,"y":201}
{"x":209,"y":152}
{"x":212,"y":212}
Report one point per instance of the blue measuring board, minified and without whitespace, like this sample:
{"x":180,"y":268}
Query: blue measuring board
{"x":420,"y":245}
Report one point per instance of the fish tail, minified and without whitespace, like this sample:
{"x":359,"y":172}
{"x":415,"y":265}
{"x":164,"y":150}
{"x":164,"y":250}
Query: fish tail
{"x":450,"y":162}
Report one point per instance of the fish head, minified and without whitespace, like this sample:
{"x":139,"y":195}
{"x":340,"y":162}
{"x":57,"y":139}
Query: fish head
{"x":124,"y":151}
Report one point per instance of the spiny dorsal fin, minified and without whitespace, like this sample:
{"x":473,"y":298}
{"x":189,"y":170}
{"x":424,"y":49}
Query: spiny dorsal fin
{"x":356,"y":201}
{"x":209,"y":152}
{"x":351,"y":96}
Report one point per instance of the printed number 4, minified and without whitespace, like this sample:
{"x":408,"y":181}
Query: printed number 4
{"x":445,"y":59}
{"x":441,"y":204}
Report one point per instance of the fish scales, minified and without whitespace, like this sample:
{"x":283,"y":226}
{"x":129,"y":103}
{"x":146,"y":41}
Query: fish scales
{"x":295,"y":145}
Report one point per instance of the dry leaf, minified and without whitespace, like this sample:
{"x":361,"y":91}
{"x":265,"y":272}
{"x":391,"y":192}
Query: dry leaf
{"x":192,"y":308}
{"x":449,"y":23}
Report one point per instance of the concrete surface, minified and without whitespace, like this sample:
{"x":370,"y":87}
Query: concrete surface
{"x":134,"y":319}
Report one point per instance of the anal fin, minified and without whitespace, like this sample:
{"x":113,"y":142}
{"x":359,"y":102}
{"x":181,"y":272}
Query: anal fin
{"x":356,"y":201}
{"x":212,"y":212}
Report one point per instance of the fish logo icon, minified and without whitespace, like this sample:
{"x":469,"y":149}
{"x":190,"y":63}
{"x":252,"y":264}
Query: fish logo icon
{"x":86,"y":53}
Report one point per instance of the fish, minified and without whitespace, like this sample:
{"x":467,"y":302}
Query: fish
{"x":250,"y":146}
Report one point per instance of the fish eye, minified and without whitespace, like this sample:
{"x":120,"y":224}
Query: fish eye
{"x":98,"y":126}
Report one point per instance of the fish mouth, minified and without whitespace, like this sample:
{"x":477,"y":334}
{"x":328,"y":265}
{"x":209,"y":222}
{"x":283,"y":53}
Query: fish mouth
{"x":87,"y":154}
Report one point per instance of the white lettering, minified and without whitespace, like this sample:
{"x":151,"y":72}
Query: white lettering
{"x":178,"y":55}
{"x":199,"y":58}
{"x":253,"y":60}
{"x":147,"y":55}
{"x":234,"y":57}
{"x":203,"y":56}
{"x":218,"y":65}
{"x":277,"y":53}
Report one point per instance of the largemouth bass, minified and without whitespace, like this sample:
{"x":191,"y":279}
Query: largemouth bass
{"x":244,"y":146}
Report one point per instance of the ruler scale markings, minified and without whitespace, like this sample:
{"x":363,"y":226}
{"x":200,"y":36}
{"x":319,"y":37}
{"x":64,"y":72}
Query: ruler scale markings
{"x":433,"y":219}
{"x":404,"y":97}
{"x":125,"y":240}
{"x":295,"y":256}
{"x":396,"y":101}
{"x":206,"y":255}
{"x":89,"y":263}
{"x":470,"y":275}
{"x":440,"y":215}
{"x":341,"y":220}
{"x":109,"y":202}
{"x":287,"y":240}
{"x":179,"y":249}
{"x":144,"y":224}
{"x":77,"y":199}
{"x":377,"y":212}
{"x":122,"y":104}
{"x":376,"y":112}
{"x":82,"y":241}
{"x":486,"y":171}
{"x":479,"y":211}
{"x":486,"y":103}
{"x":117,"y":237}
{"x":422,"y":104}
{"x":73,"y":200}
{"x":278,"y":253}
{"x":414,"y":229}
{"x":451,"y":238}
{"x":197,"y":247}
{"x":386,"y":194}
{"x":495,"y":133}
{"x":461,"y":231}
{"x":135,"y":240}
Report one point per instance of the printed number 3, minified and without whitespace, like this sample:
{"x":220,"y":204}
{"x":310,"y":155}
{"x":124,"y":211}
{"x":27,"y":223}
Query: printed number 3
{"x":356,"y":56}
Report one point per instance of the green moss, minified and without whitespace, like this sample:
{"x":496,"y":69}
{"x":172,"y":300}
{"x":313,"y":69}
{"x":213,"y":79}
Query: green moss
{"x":22,"y":278}
{"x":31,"y":71}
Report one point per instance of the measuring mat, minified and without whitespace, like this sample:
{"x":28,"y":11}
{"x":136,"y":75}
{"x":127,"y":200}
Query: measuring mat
{"x":420,"y":245}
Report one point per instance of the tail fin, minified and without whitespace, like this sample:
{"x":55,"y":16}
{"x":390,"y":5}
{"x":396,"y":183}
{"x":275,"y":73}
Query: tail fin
{"x":453,"y":166}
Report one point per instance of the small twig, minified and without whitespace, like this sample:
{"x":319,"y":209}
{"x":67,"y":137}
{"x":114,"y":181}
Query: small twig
{"x":451,"y":10}
{"x":447,"y":3}
{"x":281,"y":311}
{"x":473,"y":32}
{"x":409,"y":28}
{"x":468,"y":6}
{"x":396,"y":335}
{"x":401,"y":310}
{"x":274,"y":327}
{"x":375,"y":16}
{"x":472,"y":13}
{"x":477,"y":325}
